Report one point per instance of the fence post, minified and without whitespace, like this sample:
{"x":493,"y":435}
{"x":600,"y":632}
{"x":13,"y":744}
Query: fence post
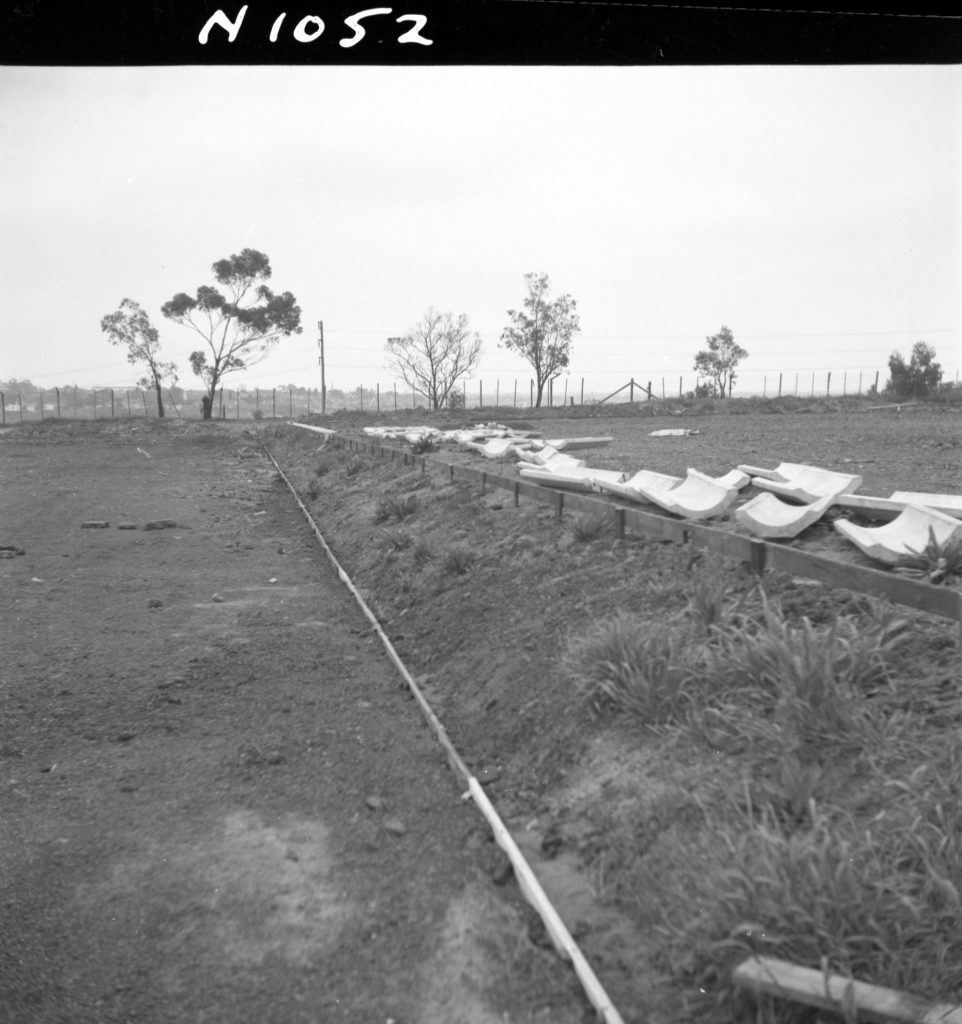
{"x":662,"y":388}
{"x":257,"y":400}
{"x":859,"y":383}
{"x":530,"y":393}
{"x":582,"y":391}
{"x":796,"y":383}
{"x":360,"y":391}
{"x":58,"y":402}
{"x":828,"y":384}
{"x":20,"y":403}
{"x":75,"y":401}
{"x":844,"y":382}
{"x":3,"y":410}
{"x":377,"y":396}
{"x":679,"y":387}
{"x":514,"y":404}
{"x":95,"y":405}
{"x":813,"y":383}
{"x":111,"y":403}
{"x":127,"y":393}
{"x":564,"y":400}
{"x":274,"y":403}
{"x":290,"y":403}
{"x":779,"y":385}
{"x":41,"y":403}
{"x":876,"y":381}
{"x":764,"y":385}
{"x":480,"y":395}
{"x":143,"y":395}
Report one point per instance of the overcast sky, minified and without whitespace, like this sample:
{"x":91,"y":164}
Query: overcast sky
{"x":815,"y":211}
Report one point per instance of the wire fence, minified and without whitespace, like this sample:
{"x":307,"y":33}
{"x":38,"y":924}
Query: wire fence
{"x":22,"y":404}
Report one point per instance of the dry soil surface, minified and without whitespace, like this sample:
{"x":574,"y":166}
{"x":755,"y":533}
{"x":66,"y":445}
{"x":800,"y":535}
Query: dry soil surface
{"x":217,"y":803}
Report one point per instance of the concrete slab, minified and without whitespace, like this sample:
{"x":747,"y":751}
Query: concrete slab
{"x":697,"y":497}
{"x":497,"y":447}
{"x":810,"y":484}
{"x":950,"y":504}
{"x":907,"y":534}
{"x":548,"y":456}
{"x":640,"y":486}
{"x":567,"y":444}
{"x":768,"y":516}
{"x":733,"y":478}
{"x":572,"y":478}
{"x":783,"y":471}
{"x":694,"y":496}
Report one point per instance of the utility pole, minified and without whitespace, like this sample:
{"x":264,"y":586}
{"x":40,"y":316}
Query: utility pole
{"x":320,"y":345}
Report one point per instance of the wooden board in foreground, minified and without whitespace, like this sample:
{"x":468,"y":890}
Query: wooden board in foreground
{"x":834,"y":992}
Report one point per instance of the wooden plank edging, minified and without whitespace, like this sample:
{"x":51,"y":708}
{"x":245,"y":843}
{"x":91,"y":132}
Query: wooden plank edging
{"x":842,"y":995}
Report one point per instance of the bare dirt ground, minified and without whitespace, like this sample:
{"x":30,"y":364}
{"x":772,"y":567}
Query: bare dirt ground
{"x":218,"y":803}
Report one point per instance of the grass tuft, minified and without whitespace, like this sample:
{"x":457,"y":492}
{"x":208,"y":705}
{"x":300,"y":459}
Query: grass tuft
{"x":423,"y":445}
{"x":589,"y":526}
{"x":423,"y":552}
{"x":459,"y":560}
{"x":632,"y":664}
{"x":395,"y":507}
{"x":398,"y":539}
{"x":937,"y":562}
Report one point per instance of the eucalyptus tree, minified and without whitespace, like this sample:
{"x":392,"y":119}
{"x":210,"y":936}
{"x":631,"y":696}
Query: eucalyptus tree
{"x":239,"y":328}
{"x":542,"y":331}
{"x":130,"y":327}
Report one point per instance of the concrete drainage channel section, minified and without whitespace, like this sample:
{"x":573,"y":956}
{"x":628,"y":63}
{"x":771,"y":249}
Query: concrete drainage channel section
{"x":563,"y":942}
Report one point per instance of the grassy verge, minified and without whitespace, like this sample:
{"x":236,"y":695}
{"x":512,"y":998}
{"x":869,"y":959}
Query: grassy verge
{"x":831,"y":834}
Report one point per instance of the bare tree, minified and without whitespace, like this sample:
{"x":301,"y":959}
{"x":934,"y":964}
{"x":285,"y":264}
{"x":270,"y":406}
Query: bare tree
{"x":131,"y":326}
{"x":435,"y":354}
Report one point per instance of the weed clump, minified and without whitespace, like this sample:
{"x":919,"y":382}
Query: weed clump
{"x":459,"y":560}
{"x":423,"y":552}
{"x":589,"y":526}
{"x":632,"y":664}
{"x":423,"y":445}
{"x":937,"y":562}
{"x":395,"y":507}
{"x":398,"y":539}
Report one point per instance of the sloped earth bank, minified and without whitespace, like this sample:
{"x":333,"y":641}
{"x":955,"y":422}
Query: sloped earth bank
{"x":482,"y":598}
{"x":216,"y":802}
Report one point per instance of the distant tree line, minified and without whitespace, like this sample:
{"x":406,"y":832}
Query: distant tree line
{"x":241,"y":319}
